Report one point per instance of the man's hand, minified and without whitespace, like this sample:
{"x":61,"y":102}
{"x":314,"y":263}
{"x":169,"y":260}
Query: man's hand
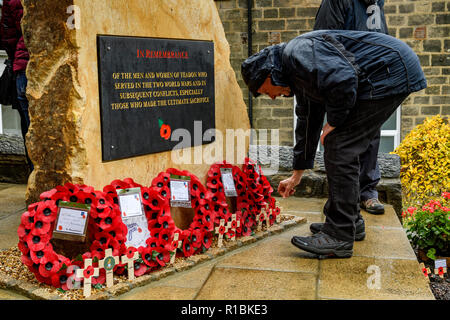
{"x":326,"y":130}
{"x":286,"y":187}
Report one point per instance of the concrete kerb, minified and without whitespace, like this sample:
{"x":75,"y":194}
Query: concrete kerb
{"x":39,"y":293}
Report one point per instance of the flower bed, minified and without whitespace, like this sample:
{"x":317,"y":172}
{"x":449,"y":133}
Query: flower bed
{"x":428,"y":229}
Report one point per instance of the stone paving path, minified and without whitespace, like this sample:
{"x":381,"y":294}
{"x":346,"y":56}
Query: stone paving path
{"x":383,"y":266}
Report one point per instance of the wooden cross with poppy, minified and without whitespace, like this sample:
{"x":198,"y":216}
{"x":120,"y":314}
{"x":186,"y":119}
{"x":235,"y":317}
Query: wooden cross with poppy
{"x":221,"y":230}
{"x":86,"y":274}
{"x":175,"y":245}
{"x":233,"y":225}
{"x":129,"y":258}
{"x":267,"y":215}
{"x":260,"y":217}
{"x":440,"y":271}
{"x":425,"y":270}
{"x":108,"y":263}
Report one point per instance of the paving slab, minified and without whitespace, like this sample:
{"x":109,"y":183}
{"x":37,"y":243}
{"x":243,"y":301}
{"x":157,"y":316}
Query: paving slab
{"x":276,"y":254}
{"x":245,"y":284}
{"x":9,"y":295}
{"x":384,"y":243}
{"x":12,"y":205}
{"x":364,"y":278}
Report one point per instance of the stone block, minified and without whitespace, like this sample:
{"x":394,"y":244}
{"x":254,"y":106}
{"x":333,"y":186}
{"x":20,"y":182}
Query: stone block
{"x":63,"y":83}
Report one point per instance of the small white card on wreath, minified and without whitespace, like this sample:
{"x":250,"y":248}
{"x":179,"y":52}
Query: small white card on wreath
{"x":137,"y":232}
{"x":133,"y":217}
{"x":180,"y":195}
{"x":130,"y":202}
{"x":71,"y":223}
{"x":228,"y":182}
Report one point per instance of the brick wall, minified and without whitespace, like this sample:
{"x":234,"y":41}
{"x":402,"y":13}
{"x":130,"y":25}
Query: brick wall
{"x":424,"y":25}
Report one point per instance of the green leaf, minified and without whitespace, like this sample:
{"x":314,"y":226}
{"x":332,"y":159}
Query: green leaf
{"x":95,"y":260}
{"x":63,"y":267}
{"x":98,"y":286}
{"x":61,"y":290}
{"x":160,"y":122}
{"x":79,"y":258}
{"x":431,"y":253}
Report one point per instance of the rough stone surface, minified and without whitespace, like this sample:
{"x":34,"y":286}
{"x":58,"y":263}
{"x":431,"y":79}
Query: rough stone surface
{"x":13,"y":164}
{"x":281,"y":157}
{"x":11,"y":144}
{"x":65,"y":133}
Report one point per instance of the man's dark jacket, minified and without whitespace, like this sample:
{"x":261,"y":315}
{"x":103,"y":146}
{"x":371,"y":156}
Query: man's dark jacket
{"x":335,"y":68}
{"x":350,"y":15}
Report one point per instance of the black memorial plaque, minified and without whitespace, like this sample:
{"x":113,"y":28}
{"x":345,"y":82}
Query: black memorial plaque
{"x":150,"y":87}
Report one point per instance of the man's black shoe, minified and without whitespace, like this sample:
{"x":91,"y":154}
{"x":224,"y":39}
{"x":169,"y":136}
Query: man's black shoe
{"x":373,"y":206}
{"x":324,"y":245}
{"x":360,"y":232}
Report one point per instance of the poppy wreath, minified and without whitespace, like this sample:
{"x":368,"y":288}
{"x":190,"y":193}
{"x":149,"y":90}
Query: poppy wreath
{"x":198,"y":236}
{"x":35,"y":231}
{"x":159,"y":247}
{"x":260,"y":190}
{"x":244,"y":201}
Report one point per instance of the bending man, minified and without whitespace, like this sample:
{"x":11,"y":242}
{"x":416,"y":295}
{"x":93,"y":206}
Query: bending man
{"x":358,"y":79}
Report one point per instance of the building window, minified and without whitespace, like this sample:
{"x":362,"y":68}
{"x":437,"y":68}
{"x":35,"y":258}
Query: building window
{"x":9,"y":118}
{"x":390,"y":132}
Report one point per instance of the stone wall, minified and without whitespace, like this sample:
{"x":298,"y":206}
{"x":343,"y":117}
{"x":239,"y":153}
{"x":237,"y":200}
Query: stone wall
{"x":64,"y":139}
{"x":424,"y":25}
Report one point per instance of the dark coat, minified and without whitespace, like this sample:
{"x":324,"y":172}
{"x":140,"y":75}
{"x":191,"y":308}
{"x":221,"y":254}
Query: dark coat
{"x":11,"y":34}
{"x":358,"y":15}
{"x":335,"y":68}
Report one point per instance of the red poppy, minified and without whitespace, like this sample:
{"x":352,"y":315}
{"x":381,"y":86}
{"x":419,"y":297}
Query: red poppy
{"x":153,"y":242}
{"x":440,"y":271}
{"x":196,"y":238}
{"x":46,"y":211}
{"x":140,"y":268}
{"x":207,"y":240}
{"x":23,"y":247}
{"x":37,"y":242}
{"x":27,"y":220}
{"x":86,"y":198}
{"x":88,"y":272}
{"x":164,"y":236}
{"x":47,"y":195}
{"x":101,"y":278}
{"x":40,"y":227}
{"x":222,"y":230}
{"x":188,"y":248}
{"x":49,"y":265}
{"x":146,"y":254}
{"x":163,"y":257}
{"x":37,"y":256}
{"x":130,"y":252}
{"x":61,"y":280}
{"x":119,"y":184}
{"x":165,"y":131}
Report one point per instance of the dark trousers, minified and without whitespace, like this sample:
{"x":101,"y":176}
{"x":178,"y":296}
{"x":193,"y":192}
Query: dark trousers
{"x":343,"y":149}
{"x":22,"y":107}
{"x":369,"y":171}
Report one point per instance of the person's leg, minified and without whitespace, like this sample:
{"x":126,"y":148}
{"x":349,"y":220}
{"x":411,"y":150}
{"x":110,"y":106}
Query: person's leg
{"x":343,"y":146}
{"x":21,"y":84}
{"x":369,"y":177}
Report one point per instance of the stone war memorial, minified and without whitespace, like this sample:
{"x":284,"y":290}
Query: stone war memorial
{"x":89,"y":124}
{"x":134,"y":170}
